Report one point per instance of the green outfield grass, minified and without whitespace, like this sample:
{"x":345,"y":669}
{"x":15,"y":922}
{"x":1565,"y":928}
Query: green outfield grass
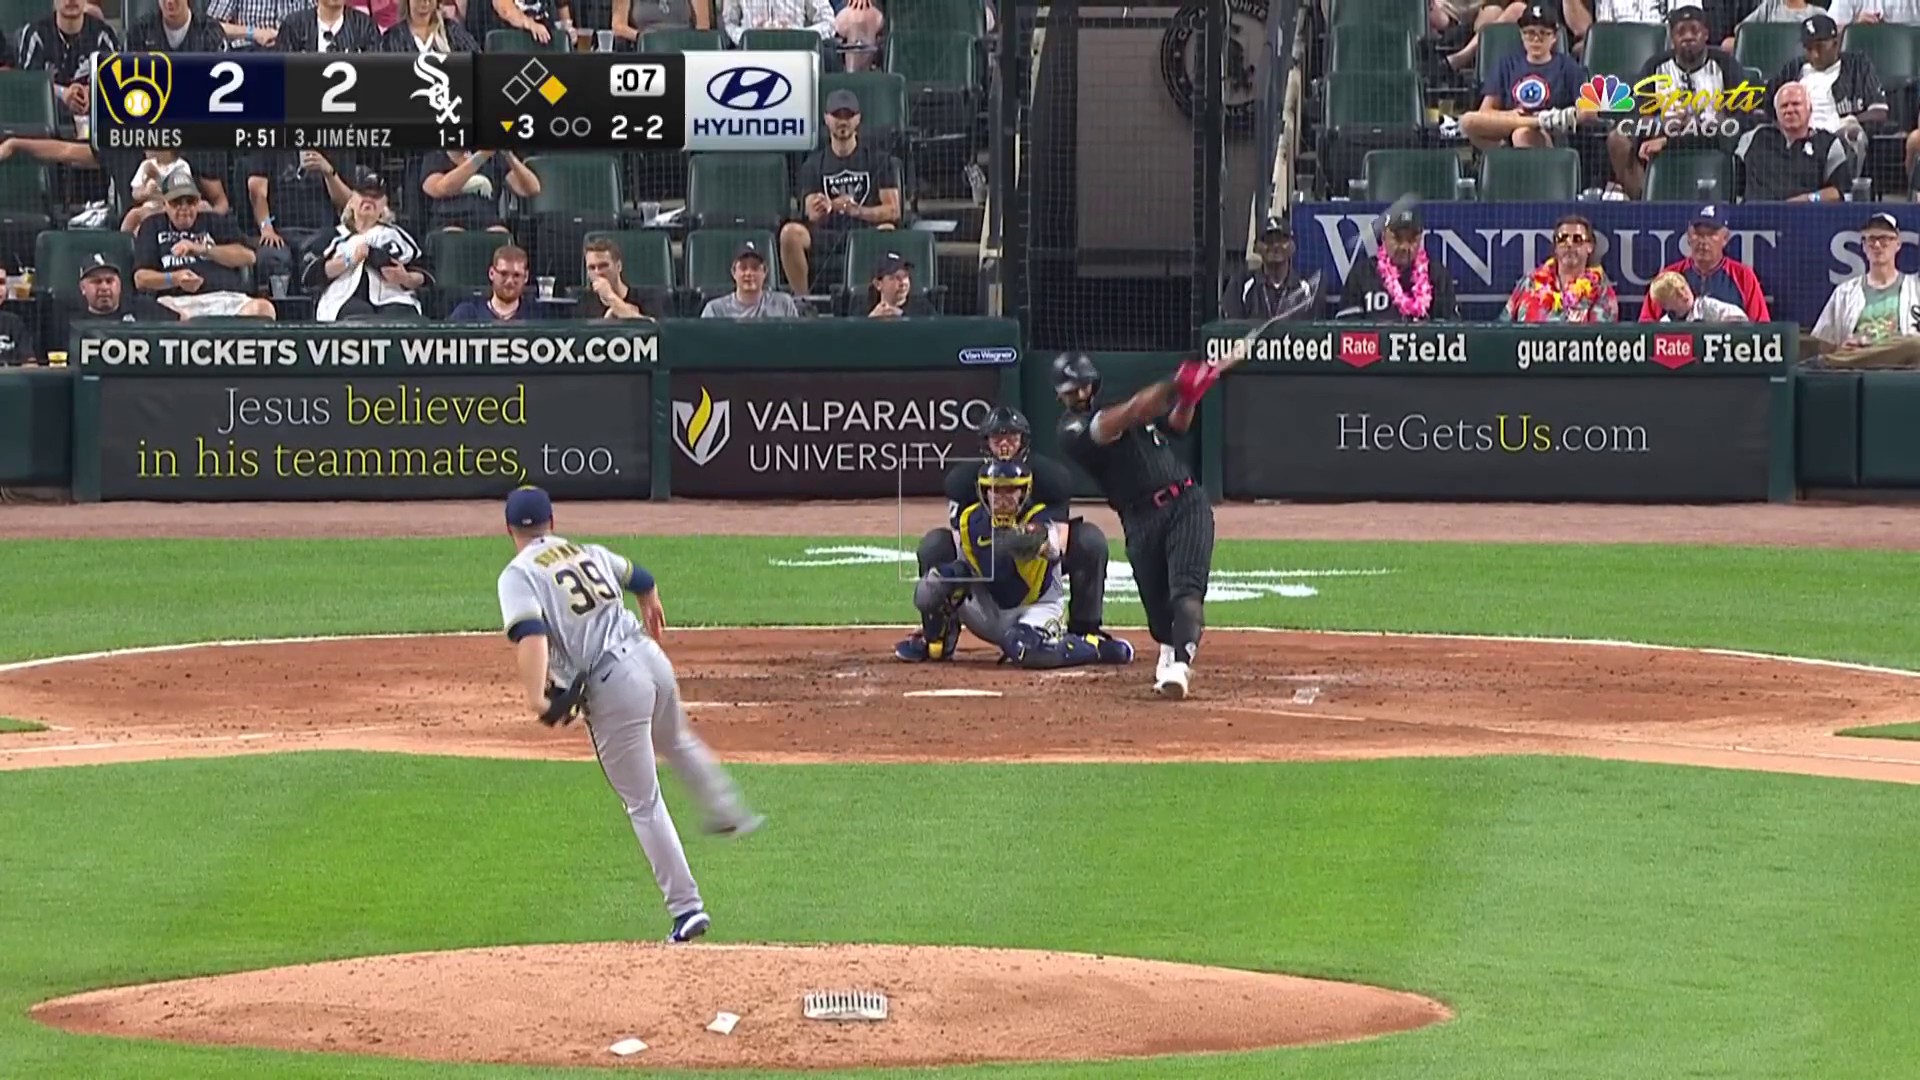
{"x":1589,"y":920}
{"x":10,"y":726}
{"x":1885,"y":731}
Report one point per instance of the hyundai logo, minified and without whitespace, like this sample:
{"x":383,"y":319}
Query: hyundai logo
{"x":749,"y":89}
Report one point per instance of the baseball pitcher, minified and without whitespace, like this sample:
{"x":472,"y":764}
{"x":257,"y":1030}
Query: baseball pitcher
{"x":581,"y":653}
{"x":1005,"y":588}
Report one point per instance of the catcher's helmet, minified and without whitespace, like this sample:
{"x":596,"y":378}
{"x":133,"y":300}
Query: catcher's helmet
{"x":1006,"y":420}
{"x":1073,"y":370}
{"x":1005,"y":476}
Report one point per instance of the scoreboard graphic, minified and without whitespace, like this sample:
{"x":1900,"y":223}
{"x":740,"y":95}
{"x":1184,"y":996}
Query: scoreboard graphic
{"x":768,"y":101}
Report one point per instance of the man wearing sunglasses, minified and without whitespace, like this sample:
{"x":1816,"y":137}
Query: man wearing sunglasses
{"x":1570,"y":286}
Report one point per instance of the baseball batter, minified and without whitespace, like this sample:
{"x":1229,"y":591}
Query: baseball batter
{"x":564,"y":610}
{"x":1005,"y":588}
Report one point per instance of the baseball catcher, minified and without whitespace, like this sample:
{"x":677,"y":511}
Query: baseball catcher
{"x":1007,"y":436}
{"x":1005,"y":587}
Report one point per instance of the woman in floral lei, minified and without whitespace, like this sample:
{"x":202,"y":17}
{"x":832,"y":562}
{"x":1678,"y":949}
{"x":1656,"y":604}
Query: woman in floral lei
{"x":1570,"y":287}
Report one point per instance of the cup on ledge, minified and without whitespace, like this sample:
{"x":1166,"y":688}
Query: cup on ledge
{"x":279,"y":282}
{"x":603,"y":40}
{"x":546,"y":286}
{"x":649,"y":213}
{"x":57,"y":358}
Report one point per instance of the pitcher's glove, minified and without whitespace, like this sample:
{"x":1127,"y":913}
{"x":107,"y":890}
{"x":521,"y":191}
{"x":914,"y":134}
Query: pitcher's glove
{"x":565,"y":704}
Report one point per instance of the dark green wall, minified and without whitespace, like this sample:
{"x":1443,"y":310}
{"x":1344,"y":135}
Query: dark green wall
{"x":36,"y":427}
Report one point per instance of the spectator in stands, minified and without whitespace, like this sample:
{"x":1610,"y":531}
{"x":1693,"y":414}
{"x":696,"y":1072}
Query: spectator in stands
{"x":328,"y":27}
{"x":1570,"y":287}
{"x":1790,"y":160}
{"x":156,"y":168}
{"x":1871,"y":307}
{"x":386,"y":14}
{"x":1720,"y":14}
{"x":372,"y":268}
{"x":1400,"y":284}
{"x":1708,"y":271}
{"x":463,"y":187}
{"x":64,"y":43}
{"x":190,"y":261}
{"x":858,"y":24}
{"x":632,"y":18}
{"x":1842,"y":87}
{"x":296,"y":196}
{"x":1529,"y":95}
{"x":1901,"y":12}
{"x":103,"y":295}
{"x":1773,"y":11}
{"x":540,"y":19}
{"x":507,"y":301}
{"x":1275,"y":290}
{"x":844,"y":185}
{"x":16,"y":343}
{"x":176,"y":27}
{"x":893,"y":295}
{"x":251,"y":24}
{"x":427,"y":29}
{"x":1704,"y":75}
{"x":750,"y":298}
{"x":1678,"y":304}
{"x":608,"y":296}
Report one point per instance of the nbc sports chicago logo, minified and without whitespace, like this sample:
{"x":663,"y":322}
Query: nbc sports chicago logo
{"x":753,"y":100}
{"x":1655,"y":106}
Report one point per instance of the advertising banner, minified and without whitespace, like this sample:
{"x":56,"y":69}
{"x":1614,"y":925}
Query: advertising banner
{"x":1551,"y":349}
{"x":1497,"y":438}
{"x":844,"y":434}
{"x":343,"y":350}
{"x":374,"y":437}
{"x":1799,"y":255}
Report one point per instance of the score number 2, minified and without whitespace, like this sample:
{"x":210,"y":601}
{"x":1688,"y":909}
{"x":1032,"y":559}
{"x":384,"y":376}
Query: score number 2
{"x":651,"y":128}
{"x":231,"y":77}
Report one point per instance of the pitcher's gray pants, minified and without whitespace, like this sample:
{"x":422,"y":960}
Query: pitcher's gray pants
{"x":635,"y":717}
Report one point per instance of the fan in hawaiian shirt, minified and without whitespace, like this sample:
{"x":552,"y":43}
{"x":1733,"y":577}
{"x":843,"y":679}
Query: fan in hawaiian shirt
{"x":1570,"y":287}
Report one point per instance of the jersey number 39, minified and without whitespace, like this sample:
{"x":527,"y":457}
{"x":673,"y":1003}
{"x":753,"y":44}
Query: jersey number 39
{"x":569,"y":578}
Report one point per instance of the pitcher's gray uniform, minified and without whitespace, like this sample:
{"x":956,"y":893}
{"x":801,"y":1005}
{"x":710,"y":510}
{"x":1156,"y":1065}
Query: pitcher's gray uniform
{"x":572,"y":593}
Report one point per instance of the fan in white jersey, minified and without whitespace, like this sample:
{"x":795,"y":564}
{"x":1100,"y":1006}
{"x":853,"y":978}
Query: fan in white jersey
{"x":563,"y":606}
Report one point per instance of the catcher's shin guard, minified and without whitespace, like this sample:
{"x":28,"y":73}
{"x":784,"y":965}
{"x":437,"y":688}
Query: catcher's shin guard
{"x":1110,"y":650}
{"x":1031,"y":647}
{"x":939,"y":635}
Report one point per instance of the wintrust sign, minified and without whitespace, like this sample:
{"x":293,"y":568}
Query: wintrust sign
{"x":753,"y":100}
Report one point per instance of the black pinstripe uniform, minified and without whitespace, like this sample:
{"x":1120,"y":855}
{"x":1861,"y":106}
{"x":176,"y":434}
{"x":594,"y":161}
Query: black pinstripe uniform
{"x":1166,"y":517}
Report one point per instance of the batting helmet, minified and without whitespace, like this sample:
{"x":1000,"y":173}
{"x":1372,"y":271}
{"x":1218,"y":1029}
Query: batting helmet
{"x":1073,"y":370}
{"x":997,"y":476}
{"x":1006,"y":420}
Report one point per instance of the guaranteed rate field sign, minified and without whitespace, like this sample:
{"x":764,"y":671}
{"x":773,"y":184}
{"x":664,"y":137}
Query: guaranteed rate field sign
{"x":367,"y":414}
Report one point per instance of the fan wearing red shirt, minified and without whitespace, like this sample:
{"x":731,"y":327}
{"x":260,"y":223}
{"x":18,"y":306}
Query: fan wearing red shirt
{"x":1710,"y":273}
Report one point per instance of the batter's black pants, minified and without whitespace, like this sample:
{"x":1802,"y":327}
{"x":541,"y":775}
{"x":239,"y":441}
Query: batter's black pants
{"x":1084,"y":562}
{"x":1171,"y":550}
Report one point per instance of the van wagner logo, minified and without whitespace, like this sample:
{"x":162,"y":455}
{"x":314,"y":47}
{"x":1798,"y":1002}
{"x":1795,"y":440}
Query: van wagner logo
{"x":701,"y":429}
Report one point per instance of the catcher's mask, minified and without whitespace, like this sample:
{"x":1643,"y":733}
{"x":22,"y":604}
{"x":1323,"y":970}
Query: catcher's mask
{"x":1006,"y":435}
{"x":1005,"y":489}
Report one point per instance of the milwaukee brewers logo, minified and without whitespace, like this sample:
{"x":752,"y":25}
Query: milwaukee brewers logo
{"x":135,"y":88}
{"x":701,"y":429}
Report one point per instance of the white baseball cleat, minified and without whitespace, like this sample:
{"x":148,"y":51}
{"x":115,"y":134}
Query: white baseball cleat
{"x":1171,"y":681}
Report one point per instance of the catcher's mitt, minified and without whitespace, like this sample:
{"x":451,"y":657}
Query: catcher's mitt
{"x":1024,"y":542}
{"x":565,"y":704}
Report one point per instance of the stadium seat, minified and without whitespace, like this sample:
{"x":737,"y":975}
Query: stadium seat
{"x":942,"y":79}
{"x":1496,"y":41}
{"x":1372,"y":111}
{"x":508,"y":39}
{"x":710,"y":262}
{"x":26,"y":104}
{"x":1674,"y":176}
{"x":1433,"y":175}
{"x":16,"y":14}
{"x":1765,"y":47}
{"x":1361,"y":47}
{"x":782,"y":41}
{"x":673,"y":41}
{"x":576,"y":183}
{"x":1895,"y":51}
{"x":24,"y":194}
{"x":1537,"y":175}
{"x":1623,"y":49}
{"x":738,"y":190}
{"x":140,"y":9}
{"x":883,"y":102}
{"x":864,"y":248}
{"x":646,"y":255}
{"x":58,"y":253}
{"x":1407,"y":16}
{"x":958,"y":16}
{"x":460,"y":264}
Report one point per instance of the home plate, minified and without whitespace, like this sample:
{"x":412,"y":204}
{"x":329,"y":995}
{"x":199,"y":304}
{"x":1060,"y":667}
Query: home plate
{"x":953,"y":692}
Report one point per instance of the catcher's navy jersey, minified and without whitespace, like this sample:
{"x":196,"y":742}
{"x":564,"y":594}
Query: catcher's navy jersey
{"x":1011,"y":582}
{"x":1052,"y":485}
{"x":573,"y":593}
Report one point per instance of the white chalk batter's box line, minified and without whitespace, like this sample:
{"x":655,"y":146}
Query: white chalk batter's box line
{"x":1609,"y":643}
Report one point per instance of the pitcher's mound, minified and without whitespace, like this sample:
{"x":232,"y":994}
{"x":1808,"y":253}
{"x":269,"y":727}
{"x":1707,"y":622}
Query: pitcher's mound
{"x":566,"y":1004}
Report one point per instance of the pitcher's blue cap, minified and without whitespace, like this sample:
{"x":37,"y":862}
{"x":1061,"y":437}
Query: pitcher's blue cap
{"x":529,"y":506}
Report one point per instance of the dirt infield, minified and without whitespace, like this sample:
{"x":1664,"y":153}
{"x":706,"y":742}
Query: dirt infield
{"x":1895,"y":528}
{"x":568,"y":1004}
